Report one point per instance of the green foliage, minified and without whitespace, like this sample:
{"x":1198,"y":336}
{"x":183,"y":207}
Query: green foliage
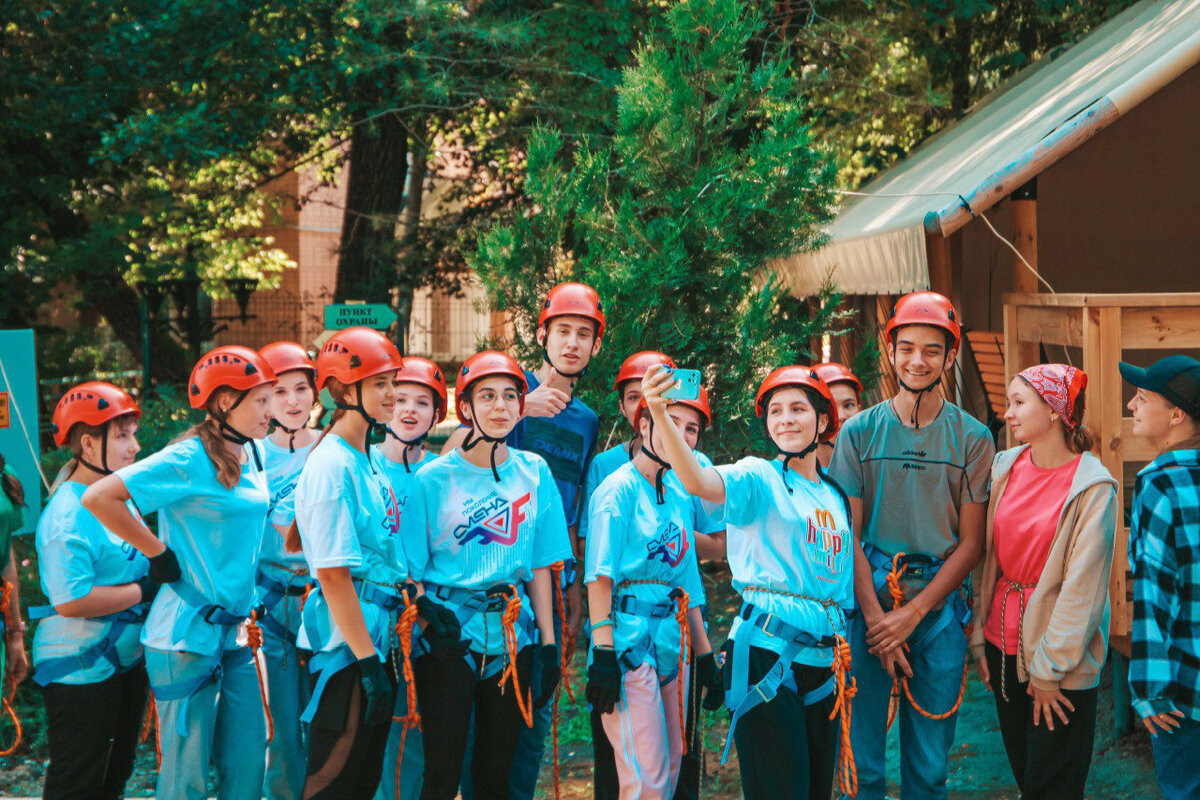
{"x":711,"y":172}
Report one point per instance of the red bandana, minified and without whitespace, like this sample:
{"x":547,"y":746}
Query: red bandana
{"x":1059,"y":385}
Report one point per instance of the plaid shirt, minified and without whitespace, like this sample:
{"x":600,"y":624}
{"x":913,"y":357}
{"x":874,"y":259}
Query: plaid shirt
{"x":1164,"y":553}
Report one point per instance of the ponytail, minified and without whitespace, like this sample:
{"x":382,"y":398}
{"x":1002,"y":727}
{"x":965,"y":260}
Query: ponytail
{"x":291,"y":541}
{"x":1080,"y":439}
{"x":67,"y":470}
{"x":227,"y":464}
{"x":11,"y":486}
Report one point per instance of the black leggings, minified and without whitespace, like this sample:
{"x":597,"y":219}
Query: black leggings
{"x":1046,"y":763}
{"x":787,"y":749}
{"x":448,"y":690}
{"x":92,"y":733}
{"x":345,"y":754}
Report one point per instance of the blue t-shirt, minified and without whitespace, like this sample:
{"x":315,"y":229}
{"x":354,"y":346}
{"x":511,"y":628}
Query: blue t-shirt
{"x":283,"y":470}
{"x":348,"y":517}
{"x":216,"y":534}
{"x":566,"y":441}
{"x":798,"y":544}
{"x":75,"y":554}
{"x":480,"y":533}
{"x":633,"y":538}
{"x":612,"y":459}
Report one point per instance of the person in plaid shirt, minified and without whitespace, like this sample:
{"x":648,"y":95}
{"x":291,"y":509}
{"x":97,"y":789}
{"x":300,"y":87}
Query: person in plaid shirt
{"x":1164,"y":553}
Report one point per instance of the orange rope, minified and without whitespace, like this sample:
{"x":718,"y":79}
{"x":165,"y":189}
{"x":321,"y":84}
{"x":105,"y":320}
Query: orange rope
{"x":847,"y":772}
{"x":254,"y":638}
{"x":6,"y":705}
{"x":898,"y":599}
{"x":685,"y":657}
{"x":566,"y":641}
{"x":411,"y":719}
{"x":512,"y":611}
{"x":151,"y":723}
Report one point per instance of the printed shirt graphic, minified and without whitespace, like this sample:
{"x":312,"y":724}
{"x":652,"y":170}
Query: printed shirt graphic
{"x":347,"y":516}
{"x":283,"y":471}
{"x":216,"y":534}
{"x":566,"y":441}
{"x":795,"y":544}
{"x":402,"y":483}
{"x":480,"y":533}
{"x":75,"y":554}
{"x":912,"y":482}
{"x":612,"y":459}
{"x":633,"y":538}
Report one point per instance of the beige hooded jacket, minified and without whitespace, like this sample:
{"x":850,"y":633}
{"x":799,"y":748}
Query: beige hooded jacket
{"x":1065,"y":642}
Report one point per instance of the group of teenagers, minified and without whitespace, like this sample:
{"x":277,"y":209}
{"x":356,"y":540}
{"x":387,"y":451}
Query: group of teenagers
{"x":318,"y":616}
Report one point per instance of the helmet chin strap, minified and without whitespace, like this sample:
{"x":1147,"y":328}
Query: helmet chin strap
{"x":103,"y":468}
{"x":473,"y":427}
{"x":291,"y":432}
{"x":372,"y":423}
{"x":914,"y":417}
{"x":232,"y":434}
{"x":659,"y":488}
{"x":408,"y":443}
{"x":788,"y":455}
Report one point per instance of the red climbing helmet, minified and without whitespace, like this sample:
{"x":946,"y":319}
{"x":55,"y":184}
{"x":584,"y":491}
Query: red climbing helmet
{"x":925,"y":308}
{"x":424,"y":372}
{"x":92,"y":403}
{"x":700,"y":404}
{"x":354,"y":354}
{"x":232,"y":366}
{"x":573,"y":300}
{"x":485,"y":365}
{"x":832,"y":372}
{"x":635,"y":367}
{"x":798,"y":377}
{"x":288,"y":357}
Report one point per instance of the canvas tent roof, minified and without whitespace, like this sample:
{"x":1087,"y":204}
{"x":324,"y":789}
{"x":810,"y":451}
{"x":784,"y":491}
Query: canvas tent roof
{"x":877,"y":243}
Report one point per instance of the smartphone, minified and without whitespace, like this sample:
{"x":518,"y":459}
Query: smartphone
{"x":689,"y":385}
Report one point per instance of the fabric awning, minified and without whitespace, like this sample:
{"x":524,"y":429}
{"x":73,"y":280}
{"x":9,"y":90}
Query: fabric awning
{"x":877,"y":243}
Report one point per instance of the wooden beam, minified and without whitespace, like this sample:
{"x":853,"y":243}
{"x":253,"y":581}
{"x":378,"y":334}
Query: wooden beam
{"x":1146,"y":300}
{"x":1157,"y":328}
{"x":1048,"y":325}
{"x":941,"y":272}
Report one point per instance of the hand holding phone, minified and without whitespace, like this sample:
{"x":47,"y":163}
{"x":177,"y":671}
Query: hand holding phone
{"x":687,"y":385}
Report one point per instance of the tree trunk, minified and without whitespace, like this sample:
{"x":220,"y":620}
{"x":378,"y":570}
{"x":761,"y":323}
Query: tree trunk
{"x":410,"y":274}
{"x":378,"y":168}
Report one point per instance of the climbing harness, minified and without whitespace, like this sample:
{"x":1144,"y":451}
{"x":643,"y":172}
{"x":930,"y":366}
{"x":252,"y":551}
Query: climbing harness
{"x":1020,"y":588}
{"x":887,"y":572}
{"x":54,"y":670}
{"x":272,"y":592}
{"x":742,"y":697}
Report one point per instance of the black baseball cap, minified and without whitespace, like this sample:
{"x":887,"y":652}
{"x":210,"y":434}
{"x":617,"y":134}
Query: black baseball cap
{"x":1176,"y":378}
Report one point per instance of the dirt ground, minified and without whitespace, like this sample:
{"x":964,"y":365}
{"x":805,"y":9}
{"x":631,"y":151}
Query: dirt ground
{"x":978,"y":766}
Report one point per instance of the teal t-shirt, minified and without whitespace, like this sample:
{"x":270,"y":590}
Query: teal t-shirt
{"x":912,"y":482}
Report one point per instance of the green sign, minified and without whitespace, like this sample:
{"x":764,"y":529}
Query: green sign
{"x":355,"y":315}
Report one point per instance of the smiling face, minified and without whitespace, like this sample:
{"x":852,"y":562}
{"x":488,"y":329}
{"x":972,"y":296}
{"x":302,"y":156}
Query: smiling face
{"x":570,"y":341}
{"x":292,"y":400}
{"x":378,"y":394}
{"x":415,"y":410}
{"x":686,"y":419}
{"x":252,"y":417}
{"x":845,"y":399}
{"x":791,"y":420}
{"x":1153,"y":415}
{"x":919,"y":355}
{"x":496,"y":402}
{"x":123,"y":445}
{"x":1029,"y":417}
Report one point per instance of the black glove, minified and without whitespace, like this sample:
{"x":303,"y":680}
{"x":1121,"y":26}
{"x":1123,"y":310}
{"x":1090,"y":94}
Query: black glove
{"x":377,"y":690}
{"x":604,"y":680}
{"x":164,"y":567}
{"x":545,"y":674}
{"x":149,"y":588}
{"x":442,"y":633}
{"x":710,"y":681}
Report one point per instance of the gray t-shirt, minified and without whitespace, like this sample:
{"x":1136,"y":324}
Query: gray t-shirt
{"x":912,"y":482}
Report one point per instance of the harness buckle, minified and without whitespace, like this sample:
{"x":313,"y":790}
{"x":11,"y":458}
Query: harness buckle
{"x":210,"y":611}
{"x":763,"y":622}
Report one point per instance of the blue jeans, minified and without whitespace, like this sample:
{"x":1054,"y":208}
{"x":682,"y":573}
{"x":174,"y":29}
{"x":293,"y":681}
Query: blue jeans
{"x":413,"y":768}
{"x":937,"y":653}
{"x":224,"y":725}
{"x":1175,"y":760}
{"x":289,"y":691}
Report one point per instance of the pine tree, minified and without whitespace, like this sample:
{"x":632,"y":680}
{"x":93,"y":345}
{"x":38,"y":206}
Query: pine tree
{"x":712,"y":172}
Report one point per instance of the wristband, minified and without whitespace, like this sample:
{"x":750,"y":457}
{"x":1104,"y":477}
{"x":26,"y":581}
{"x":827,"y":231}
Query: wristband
{"x":604,"y":623}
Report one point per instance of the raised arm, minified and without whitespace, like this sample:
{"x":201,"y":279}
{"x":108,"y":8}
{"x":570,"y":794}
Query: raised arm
{"x":703,"y":482}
